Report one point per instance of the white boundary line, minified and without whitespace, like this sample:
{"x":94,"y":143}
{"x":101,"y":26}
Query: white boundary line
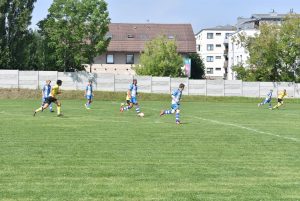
{"x":241,"y":127}
{"x":246,"y":128}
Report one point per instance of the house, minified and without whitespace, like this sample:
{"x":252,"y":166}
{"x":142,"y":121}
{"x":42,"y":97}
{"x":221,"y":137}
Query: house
{"x":212,"y":47}
{"x":128,"y":42}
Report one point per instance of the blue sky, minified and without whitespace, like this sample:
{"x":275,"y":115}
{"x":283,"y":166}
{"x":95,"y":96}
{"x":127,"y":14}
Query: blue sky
{"x":200,"y":13}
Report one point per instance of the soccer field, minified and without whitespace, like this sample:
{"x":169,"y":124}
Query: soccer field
{"x":221,"y":151}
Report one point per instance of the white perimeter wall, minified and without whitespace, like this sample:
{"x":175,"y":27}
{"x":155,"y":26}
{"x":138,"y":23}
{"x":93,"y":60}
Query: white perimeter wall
{"x":147,"y":84}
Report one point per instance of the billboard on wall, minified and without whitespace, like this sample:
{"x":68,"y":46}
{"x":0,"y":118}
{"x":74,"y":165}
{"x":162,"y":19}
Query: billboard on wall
{"x":187,"y":66}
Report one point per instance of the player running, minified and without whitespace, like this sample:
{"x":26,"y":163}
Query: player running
{"x":131,"y":98}
{"x":281,"y":95}
{"x":176,"y":96}
{"x":89,"y":95}
{"x":45,"y":93}
{"x":52,"y":98}
{"x":267,"y":99}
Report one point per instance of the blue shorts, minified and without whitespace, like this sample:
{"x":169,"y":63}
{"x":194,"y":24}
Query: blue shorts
{"x":267,"y":101}
{"x":133,"y":100}
{"x":175,"y":106}
{"x":89,"y":97}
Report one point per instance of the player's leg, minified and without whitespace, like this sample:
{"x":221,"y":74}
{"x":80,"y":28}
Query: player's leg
{"x":171,"y":111}
{"x":50,"y":107}
{"x":270,"y":103}
{"x":127,"y":107}
{"x":137,"y":106}
{"x":43,"y":101}
{"x":58,"y":105}
{"x":177,"y":116}
{"x":278,"y":104}
{"x":88,"y":103}
{"x":46,"y":104}
{"x":281,"y":103}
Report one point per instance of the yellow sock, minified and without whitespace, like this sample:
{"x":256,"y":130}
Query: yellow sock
{"x":58,"y":110}
{"x":40,"y":109}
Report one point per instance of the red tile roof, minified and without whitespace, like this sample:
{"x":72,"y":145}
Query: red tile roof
{"x":132,"y":37}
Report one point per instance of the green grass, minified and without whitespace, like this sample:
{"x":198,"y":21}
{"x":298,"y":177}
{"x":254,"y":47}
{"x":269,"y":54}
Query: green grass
{"x":222,"y":151}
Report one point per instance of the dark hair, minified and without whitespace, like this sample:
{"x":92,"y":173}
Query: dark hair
{"x":181,"y":85}
{"x":58,"y":82}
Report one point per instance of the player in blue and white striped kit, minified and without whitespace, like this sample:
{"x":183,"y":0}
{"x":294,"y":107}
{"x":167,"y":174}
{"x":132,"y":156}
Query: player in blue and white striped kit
{"x":176,"y":97}
{"x":267,"y":99}
{"x":89,"y":95}
{"x":131,"y":98}
{"x":45,"y":93}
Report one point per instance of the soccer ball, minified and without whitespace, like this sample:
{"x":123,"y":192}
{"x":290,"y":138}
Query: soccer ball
{"x":141,"y":114}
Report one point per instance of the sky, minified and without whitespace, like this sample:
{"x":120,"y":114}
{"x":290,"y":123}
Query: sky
{"x":200,"y":13}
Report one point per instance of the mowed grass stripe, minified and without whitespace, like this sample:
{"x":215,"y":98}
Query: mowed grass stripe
{"x":89,"y":155}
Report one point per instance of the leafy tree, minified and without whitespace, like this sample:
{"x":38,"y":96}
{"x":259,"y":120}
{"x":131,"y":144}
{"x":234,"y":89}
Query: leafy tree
{"x":76,"y":32}
{"x":289,"y":48}
{"x":197,"y":66}
{"x":15,"y":17}
{"x":274,"y":52}
{"x":160,"y":58}
{"x":263,"y":50}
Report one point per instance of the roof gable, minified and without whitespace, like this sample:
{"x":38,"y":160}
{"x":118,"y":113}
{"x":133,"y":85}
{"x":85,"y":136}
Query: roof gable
{"x":127,"y":37}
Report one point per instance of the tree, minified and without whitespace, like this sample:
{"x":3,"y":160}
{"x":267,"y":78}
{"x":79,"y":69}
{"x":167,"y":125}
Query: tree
{"x":160,"y":58}
{"x":197,"y":66}
{"x":274,"y":52}
{"x":15,"y":17}
{"x":289,"y":48}
{"x":76,"y":31}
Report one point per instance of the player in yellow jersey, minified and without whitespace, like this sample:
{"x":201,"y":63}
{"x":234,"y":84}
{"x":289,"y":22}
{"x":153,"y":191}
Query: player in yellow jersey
{"x":127,"y":100}
{"x":281,"y":95}
{"x":52,"y":98}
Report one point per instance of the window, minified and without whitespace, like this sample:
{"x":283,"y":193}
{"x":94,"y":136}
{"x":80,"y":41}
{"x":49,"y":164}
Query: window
{"x":218,"y":57}
{"x":210,"y":47}
{"x":130,"y":36}
{"x":130,"y":59}
{"x":210,"y":35}
{"x":218,"y":34}
{"x":218,"y":45}
{"x":209,"y":58}
{"x":218,"y":69}
{"x":109,"y":58}
{"x":199,"y":48}
{"x":210,"y":71}
{"x":227,"y":35}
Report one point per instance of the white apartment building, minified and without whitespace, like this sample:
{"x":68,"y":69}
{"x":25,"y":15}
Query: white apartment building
{"x":249,"y":27}
{"x":237,"y":53}
{"x":212,"y":46}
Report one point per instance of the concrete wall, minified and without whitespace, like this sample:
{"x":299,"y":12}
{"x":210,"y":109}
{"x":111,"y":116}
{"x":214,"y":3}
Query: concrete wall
{"x":147,"y":84}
